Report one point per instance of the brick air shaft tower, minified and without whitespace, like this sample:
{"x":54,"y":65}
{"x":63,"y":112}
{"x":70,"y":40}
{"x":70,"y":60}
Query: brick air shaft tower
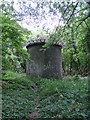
{"x":45,"y":64}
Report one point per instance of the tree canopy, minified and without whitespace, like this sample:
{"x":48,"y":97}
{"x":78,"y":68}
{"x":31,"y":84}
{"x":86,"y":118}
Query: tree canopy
{"x":73,"y":29}
{"x":13,"y":39}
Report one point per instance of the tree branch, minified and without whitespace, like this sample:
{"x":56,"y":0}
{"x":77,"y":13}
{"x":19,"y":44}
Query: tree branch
{"x":83,"y":20}
{"x":82,"y":9}
{"x":88,"y":3}
{"x":87,"y":25}
{"x":71,"y":15}
{"x":67,"y":8}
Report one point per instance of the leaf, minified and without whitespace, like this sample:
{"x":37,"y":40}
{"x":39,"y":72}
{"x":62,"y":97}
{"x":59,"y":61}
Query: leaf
{"x":77,"y":109}
{"x":64,"y":101}
{"x":73,"y":101}
{"x":83,"y":114}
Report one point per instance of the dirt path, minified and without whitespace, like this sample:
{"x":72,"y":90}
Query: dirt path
{"x":35,"y":114}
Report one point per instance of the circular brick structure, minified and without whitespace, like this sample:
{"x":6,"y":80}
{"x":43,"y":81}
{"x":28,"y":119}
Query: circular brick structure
{"x":45,"y":64}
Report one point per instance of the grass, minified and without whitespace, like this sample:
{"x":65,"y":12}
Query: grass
{"x":61,"y":98}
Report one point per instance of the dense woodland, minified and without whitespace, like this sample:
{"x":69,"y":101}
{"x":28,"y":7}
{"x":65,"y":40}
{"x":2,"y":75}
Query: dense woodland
{"x":74,"y":32}
{"x":75,"y":60}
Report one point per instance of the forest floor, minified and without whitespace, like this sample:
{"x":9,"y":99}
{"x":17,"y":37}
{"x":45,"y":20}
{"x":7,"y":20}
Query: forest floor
{"x":35,"y":113}
{"x":25,"y":98}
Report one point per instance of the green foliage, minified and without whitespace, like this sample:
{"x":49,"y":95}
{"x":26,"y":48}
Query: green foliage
{"x":13,"y":37}
{"x":74,"y":32}
{"x":66,"y":98}
{"x":10,"y":80}
{"x":18,"y":96}
{"x":76,"y":53}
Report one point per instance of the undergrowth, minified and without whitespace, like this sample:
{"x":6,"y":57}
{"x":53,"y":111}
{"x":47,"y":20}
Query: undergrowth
{"x":18,"y":96}
{"x":65,"y":98}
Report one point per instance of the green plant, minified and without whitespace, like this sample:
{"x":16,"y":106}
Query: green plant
{"x":18,"y":95}
{"x":65,"y":98}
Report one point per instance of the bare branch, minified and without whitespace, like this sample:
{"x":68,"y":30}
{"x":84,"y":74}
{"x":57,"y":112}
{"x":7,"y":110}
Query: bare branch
{"x":83,"y":21}
{"x":82,"y":9}
{"x":71,"y":15}
{"x":67,"y":8}
{"x":88,"y":3}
